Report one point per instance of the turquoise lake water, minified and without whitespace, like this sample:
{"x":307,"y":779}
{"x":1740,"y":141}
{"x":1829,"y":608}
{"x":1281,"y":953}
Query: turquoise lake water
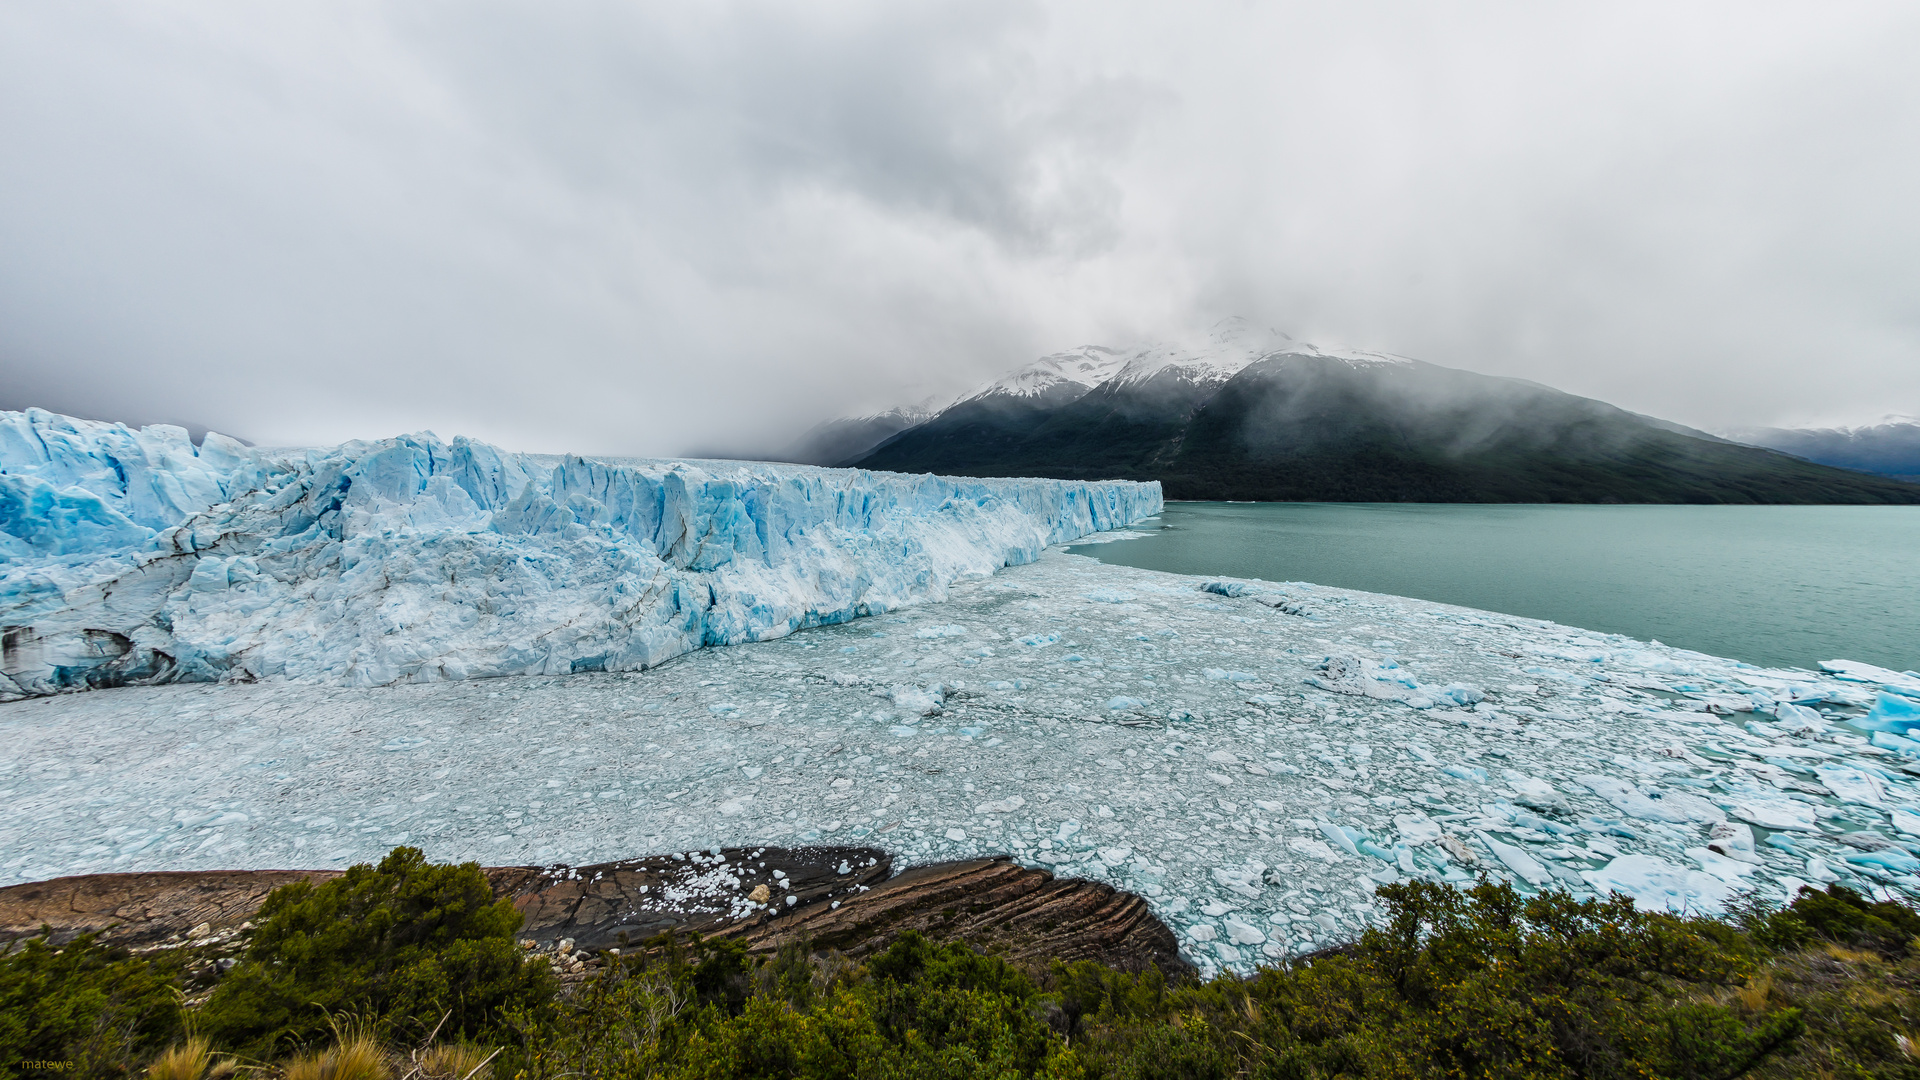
{"x":1770,"y":585}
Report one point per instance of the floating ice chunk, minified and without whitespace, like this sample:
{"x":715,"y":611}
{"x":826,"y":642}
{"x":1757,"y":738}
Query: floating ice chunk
{"x":1001,"y":806}
{"x":1202,"y":932}
{"x":1907,"y":820}
{"x":1229,"y":676}
{"x":1893,"y":713}
{"x":1734,"y":841}
{"x":1223,"y":757}
{"x":1459,"y":694}
{"x":1899,"y":744}
{"x":1658,"y":885}
{"x":1654,"y":805}
{"x":1040,"y":641}
{"x":1775,"y":813}
{"x":1855,"y":671}
{"x":1798,"y":718}
{"x":1889,"y":858}
{"x":1241,"y":932}
{"x":1245,"y":881}
{"x":956,"y":834}
{"x":1517,"y":860}
{"x":949,"y":630}
{"x":1417,"y":828}
{"x":1220,"y":778}
{"x":1341,"y":837}
{"x":917,"y":700}
{"x":1368,"y":847}
{"x":1115,"y":856}
{"x":1069,"y":829}
{"x":1732,"y":871}
{"x":1534,"y":792}
{"x":1851,"y":785}
{"x":1226,"y":588}
{"x":1308,"y":846}
{"x":1122,"y":704}
{"x":1474,"y":773}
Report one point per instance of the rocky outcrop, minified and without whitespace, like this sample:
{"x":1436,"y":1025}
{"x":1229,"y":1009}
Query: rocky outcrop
{"x":619,"y":904}
{"x":830,"y":898}
{"x":993,"y":905}
{"x":138,"y":910}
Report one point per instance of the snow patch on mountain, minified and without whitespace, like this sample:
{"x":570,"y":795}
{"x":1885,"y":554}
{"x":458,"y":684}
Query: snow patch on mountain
{"x":1083,"y":368}
{"x":1231,"y":345}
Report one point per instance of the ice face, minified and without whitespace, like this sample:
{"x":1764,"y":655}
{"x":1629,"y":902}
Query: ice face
{"x":410,"y":560}
{"x":1256,"y":815}
{"x":72,"y":486}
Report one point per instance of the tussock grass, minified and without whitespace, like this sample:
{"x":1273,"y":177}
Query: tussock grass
{"x":457,"y":1061}
{"x":358,"y":1057}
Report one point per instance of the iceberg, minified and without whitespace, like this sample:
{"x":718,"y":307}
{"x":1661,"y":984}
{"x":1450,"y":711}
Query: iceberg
{"x":136,"y":558}
{"x":1658,"y":885}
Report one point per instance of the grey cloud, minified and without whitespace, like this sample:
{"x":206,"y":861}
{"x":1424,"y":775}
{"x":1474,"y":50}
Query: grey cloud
{"x":643,"y":228}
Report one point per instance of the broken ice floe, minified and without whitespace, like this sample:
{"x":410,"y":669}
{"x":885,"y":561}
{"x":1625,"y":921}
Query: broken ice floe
{"x":1256,"y":813}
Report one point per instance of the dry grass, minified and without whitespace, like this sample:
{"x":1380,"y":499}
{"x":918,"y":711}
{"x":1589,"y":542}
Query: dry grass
{"x":355,"y":1058}
{"x":456,"y":1061}
{"x":1852,"y":956}
{"x":190,"y":1060}
{"x":1753,"y":996}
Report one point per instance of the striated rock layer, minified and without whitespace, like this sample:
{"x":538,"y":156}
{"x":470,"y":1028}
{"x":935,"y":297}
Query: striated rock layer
{"x":842,"y":898}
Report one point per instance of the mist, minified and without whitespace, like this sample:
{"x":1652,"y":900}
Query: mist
{"x":643,"y":229}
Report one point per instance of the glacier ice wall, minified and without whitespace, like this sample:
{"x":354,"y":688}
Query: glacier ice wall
{"x":136,"y":557}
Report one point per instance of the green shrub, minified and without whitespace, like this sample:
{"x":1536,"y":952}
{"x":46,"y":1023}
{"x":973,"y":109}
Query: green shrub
{"x":1482,"y":983}
{"x":1842,"y":916}
{"x":94,"y":1005}
{"x":400,"y":944}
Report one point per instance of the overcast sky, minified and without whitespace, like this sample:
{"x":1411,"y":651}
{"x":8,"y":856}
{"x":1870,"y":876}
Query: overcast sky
{"x":651,"y":228}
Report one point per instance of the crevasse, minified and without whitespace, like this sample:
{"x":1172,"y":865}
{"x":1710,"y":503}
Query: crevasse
{"x":135,"y":557}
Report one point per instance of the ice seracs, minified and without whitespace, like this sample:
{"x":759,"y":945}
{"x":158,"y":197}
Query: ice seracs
{"x":411,"y":559}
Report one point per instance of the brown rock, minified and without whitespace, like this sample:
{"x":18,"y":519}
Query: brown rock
{"x":1024,"y":915}
{"x":991,"y":904}
{"x":148,"y":908}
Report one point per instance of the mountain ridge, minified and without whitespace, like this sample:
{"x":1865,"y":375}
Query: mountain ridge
{"x":1263,"y":417}
{"x":1890,"y":448}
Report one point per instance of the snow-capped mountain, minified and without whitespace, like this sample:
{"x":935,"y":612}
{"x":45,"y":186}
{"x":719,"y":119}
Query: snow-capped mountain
{"x":1231,"y":345}
{"x":1250,"y":413}
{"x":1888,"y":448}
{"x":1072,"y":373}
{"x":834,"y":441}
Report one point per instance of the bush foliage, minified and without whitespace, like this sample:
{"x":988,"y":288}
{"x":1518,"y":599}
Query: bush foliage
{"x":1484,"y":982}
{"x":402,"y":944}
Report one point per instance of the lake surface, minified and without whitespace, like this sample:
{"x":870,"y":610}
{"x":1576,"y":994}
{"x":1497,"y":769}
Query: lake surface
{"x":1770,"y":585}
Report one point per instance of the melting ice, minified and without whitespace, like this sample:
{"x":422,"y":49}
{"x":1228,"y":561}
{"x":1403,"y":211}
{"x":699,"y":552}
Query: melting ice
{"x":1067,"y":712}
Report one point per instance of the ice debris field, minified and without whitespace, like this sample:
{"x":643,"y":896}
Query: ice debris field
{"x":1253,"y":757}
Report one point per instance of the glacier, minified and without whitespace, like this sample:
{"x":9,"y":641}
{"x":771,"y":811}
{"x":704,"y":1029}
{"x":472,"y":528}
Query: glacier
{"x":134,"y":556}
{"x":1253,"y":758}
